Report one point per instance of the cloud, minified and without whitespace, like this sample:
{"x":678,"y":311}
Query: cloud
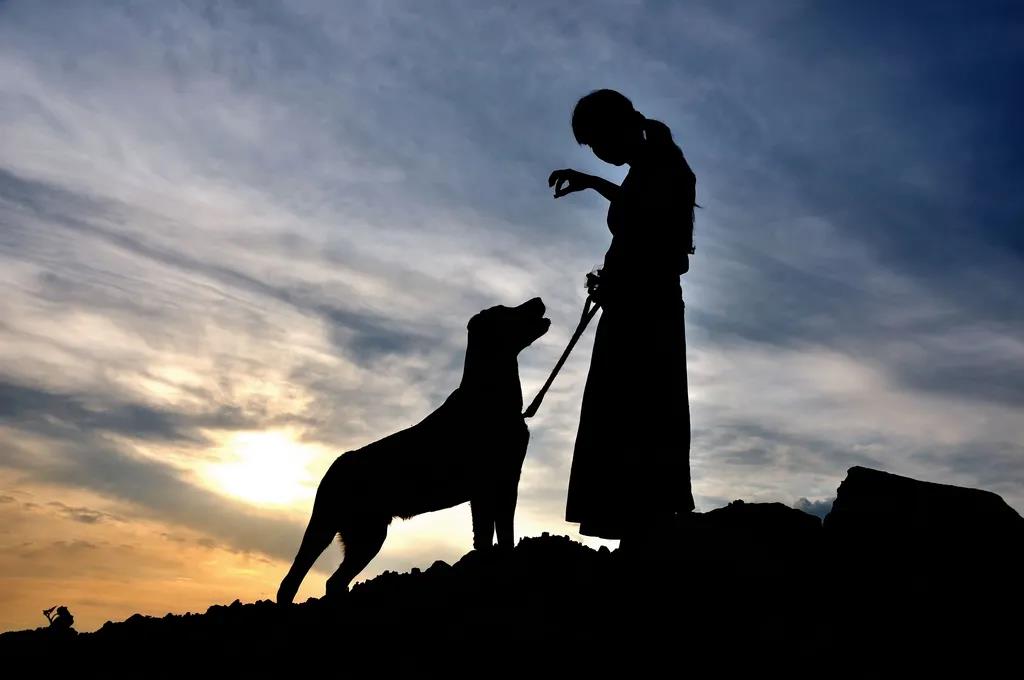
{"x":83,"y":514}
{"x":239,"y":217}
{"x":153,"y":489}
{"x":364,"y":333}
{"x":46,"y":411}
{"x":816,"y":508}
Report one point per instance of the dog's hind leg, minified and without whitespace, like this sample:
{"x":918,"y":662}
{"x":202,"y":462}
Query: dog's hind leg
{"x":318,"y":536}
{"x":362,"y":541}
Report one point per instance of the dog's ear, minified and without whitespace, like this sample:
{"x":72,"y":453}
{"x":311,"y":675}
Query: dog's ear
{"x":484,"y":318}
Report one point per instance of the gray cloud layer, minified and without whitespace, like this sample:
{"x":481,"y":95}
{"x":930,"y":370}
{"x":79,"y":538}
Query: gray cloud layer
{"x":227,"y":216}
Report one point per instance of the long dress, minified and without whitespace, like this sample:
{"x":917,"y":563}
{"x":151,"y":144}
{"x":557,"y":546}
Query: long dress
{"x":631,"y":459}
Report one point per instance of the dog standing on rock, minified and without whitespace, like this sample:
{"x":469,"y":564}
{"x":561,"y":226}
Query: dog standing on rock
{"x":470,"y":449}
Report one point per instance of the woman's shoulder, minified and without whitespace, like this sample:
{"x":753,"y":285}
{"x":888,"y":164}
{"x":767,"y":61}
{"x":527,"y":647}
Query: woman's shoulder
{"x":661,"y":168}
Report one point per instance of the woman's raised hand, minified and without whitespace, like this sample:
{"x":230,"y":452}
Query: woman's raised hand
{"x":568,"y":181}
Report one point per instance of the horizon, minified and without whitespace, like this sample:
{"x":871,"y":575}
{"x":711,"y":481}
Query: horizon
{"x":238,"y":241}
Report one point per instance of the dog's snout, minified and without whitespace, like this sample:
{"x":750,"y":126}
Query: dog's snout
{"x":536,"y":305}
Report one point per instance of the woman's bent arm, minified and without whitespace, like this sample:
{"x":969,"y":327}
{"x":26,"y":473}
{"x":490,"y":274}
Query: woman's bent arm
{"x":602,"y":186}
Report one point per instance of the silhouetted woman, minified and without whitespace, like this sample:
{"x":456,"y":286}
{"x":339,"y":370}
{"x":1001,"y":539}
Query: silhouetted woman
{"x":630,"y":468}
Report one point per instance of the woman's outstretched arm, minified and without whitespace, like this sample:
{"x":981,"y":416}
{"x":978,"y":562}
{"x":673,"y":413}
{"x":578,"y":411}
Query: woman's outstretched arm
{"x":568,"y":181}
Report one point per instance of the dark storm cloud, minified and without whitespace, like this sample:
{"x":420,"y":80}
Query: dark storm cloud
{"x":155,"y":490}
{"x":776,"y":309}
{"x":969,"y":375}
{"x":993,"y":466}
{"x":48,"y":412}
{"x":752,"y":443}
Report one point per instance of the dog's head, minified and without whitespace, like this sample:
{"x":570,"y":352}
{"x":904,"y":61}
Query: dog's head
{"x":509,"y":328}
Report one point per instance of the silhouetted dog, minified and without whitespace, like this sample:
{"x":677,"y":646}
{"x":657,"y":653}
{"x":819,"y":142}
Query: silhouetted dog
{"x":470,"y":449}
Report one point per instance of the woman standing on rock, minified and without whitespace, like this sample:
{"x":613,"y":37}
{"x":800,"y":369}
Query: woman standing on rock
{"x":630,"y":470}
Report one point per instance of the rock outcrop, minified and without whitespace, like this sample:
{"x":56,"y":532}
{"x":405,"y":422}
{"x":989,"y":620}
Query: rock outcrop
{"x":881,"y":503}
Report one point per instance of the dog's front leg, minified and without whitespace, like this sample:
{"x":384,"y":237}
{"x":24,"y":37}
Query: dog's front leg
{"x":506,"y":497}
{"x":482,"y":508}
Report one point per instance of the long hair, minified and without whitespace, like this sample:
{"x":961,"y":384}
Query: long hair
{"x":603,"y":110}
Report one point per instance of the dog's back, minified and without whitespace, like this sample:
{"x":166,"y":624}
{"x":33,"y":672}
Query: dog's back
{"x":430,"y":466}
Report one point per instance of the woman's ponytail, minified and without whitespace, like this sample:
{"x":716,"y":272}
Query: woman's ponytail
{"x":656,"y":131}
{"x":660,"y":135}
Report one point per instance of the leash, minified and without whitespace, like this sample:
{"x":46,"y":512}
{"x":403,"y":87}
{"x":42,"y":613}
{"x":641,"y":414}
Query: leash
{"x":589,"y":310}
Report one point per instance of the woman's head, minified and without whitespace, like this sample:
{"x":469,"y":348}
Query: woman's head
{"x":606,"y":121}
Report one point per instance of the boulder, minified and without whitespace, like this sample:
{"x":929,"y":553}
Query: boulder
{"x":884,"y":505}
{"x":889,"y":537}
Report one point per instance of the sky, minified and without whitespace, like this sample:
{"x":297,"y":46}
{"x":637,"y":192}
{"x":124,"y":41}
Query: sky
{"x":240,"y":238}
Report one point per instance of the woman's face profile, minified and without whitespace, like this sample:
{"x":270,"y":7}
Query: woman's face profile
{"x":611,"y":146}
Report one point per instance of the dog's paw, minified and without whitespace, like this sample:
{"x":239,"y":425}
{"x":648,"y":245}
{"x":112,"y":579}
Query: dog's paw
{"x":336,"y":593}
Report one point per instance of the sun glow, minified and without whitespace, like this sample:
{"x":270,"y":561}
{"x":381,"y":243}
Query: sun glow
{"x":266,"y":468}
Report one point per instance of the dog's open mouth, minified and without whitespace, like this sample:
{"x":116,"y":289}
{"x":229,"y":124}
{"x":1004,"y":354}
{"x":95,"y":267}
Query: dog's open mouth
{"x":536,"y":308}
{"x":544,"y":323}
{"x":539,"y":310}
